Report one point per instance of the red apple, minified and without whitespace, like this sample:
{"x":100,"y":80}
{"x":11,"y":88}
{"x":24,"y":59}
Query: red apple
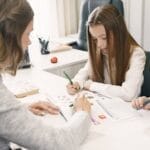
{"x":54,"y":60}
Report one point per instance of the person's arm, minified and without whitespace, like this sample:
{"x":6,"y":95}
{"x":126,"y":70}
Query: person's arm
{"x":83,"y":74}
{"x":141,"y":103}
{"x":74,"y":133}
{"x":20,"y":126}
{"x":42,"y":108}
{"x":78,"y":80}
{"x":131,"y":87}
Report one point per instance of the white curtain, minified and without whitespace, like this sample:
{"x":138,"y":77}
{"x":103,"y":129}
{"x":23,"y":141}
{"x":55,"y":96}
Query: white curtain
{"x":55,"y":18}
{"x":68,"y":16}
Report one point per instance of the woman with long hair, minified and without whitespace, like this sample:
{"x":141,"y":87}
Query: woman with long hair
{"x":17,"y":123}
{"x":116,"y":61}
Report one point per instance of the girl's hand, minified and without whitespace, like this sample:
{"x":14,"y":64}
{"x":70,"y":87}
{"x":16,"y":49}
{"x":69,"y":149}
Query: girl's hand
{"x":138,"y":103}
{"x":73,"y":88}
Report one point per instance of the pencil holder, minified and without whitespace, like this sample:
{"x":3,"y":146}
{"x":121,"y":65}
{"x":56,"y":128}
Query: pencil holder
{"x":44,"y":46}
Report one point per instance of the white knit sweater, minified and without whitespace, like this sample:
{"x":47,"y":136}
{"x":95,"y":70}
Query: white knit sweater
{"x":20,"y":126}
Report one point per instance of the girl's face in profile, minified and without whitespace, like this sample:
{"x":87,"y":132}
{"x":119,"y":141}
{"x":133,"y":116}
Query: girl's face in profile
{"x":98,"y":33}
{"x":25,"y":40}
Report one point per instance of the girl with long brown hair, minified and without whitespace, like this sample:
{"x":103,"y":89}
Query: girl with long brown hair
{"x":116,"y":61}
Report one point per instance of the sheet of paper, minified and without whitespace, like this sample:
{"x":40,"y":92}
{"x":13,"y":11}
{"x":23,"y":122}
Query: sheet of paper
{"x":98,"y":114}
{"x":115,"y":107}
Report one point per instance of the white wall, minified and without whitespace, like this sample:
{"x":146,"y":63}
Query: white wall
{"x":138,"y":22}
{"x":45,"y":22}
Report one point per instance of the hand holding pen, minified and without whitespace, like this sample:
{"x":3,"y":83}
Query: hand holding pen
{"x":72,"y":87}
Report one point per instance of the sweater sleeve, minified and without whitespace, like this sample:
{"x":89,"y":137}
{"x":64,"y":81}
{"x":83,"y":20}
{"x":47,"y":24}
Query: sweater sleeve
{"x":131,"y":87}
{"x":74,"y":132}
{"x":20,"y":126}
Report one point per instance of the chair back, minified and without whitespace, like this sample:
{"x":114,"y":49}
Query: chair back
{"x":87,"y":7}
{"x":145,"y":91}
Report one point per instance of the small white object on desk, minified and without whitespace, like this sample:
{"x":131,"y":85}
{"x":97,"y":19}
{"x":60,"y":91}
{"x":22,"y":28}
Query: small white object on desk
{"x":59,"y":48}
{"x":22,"y":88}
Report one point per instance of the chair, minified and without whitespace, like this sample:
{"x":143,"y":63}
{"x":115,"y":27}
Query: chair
{"x":145,"y":91}
{"x":87,"y":7}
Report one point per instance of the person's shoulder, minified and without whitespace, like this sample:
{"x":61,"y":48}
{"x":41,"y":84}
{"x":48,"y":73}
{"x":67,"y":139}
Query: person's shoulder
{"x":138,"y":48}
{"x":138,"y":53}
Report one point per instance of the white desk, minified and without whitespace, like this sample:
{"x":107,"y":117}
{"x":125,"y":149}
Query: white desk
{"x":70,"y":60}
{"x":127,"y":134}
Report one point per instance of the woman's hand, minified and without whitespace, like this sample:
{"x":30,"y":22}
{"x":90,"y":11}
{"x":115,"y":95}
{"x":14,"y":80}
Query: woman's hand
{"x":81,"y":103}
{"x":41,"y":108}
{"x":73,"y":88}
{"x":139,"y":103}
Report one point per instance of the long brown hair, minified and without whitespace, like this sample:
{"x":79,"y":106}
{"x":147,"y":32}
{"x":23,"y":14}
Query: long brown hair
{"x":119,"y":43}
{"x":15,"y":15}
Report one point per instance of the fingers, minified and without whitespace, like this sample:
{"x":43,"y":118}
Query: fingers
{"x":52,"y":106}
{"x":146,"y":104}
{"x":73,"y":88}
{"x":52,"y":109}
{"x":147,"y":107}
{"x":138,"y":103}
{"x":42,"y":108}
{"x":81,"y":103}
{"x":37,"y":111}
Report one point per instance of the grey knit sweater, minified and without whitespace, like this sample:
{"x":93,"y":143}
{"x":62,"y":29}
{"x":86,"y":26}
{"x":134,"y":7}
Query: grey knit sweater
{"x":20,"y":126}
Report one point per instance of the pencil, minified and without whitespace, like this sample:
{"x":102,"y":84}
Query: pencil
{"x":71,"y":105}
{"x":67,"y":76}
{"x":63,"y":116}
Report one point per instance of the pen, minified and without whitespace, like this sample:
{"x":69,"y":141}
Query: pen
{"x":63,"y":116}
{"x":67,"y":76}
{"x":71,"y":105}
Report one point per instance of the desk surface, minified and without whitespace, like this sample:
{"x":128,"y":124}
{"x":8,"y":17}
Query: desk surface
{"x":65,"y":58}
{"x":126,"y":134}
